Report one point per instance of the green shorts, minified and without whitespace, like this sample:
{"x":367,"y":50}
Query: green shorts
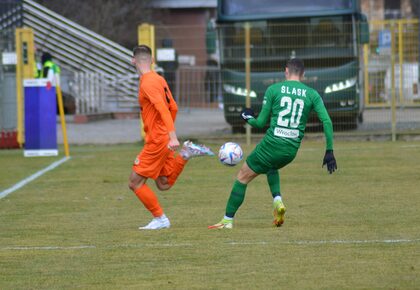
{"x":266,"y":157}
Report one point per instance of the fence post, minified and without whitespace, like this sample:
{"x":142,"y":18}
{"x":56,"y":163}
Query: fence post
{"x":366,"y":72}
{"x":91,"y":93}
{"x":248,"y":76}
{"x":177,"y":86}
{"x":401,"y":58}
{"x":82,"y":92}
{"x":393,"y":97}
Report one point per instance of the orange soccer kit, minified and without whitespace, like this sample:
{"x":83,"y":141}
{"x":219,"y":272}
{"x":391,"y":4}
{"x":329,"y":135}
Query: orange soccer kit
{"x":158,"y":111}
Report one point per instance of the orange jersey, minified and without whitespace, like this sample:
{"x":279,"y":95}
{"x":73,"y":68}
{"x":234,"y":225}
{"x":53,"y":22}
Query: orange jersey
{"x":158,"y":107}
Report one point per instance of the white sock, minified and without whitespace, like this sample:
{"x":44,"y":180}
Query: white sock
{"x":162,"y":217}
{"x":277,"y":198}
{"x":185,"y":154}
{"x":228,"y":218}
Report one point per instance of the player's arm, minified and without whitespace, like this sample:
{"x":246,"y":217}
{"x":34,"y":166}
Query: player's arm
{"x":173,"y":107}
{"x":166,"y":116}
{"x":323,"y":116}
{"x":249,"y":116}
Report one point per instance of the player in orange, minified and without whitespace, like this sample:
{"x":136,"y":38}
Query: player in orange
{"x":158,"y":159}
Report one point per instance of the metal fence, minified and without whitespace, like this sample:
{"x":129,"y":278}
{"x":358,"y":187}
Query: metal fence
{"x":391,"y":76}
{"x":393,"y":49}
{"x":354,"y":80}
{"x":8,"y":109}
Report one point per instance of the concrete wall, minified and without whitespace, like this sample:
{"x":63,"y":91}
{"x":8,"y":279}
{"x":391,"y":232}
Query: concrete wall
{"x":187,"y":29}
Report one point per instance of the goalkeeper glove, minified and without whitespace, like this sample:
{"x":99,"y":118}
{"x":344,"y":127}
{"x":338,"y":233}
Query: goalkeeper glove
{"x":329,"y":160}
{"x":247,"y":114}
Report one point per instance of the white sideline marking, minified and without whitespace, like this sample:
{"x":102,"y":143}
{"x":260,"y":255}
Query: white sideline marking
{"x":34,"y":176}
{"x":47,"y":248}
{"x":186,"y":245}
{"x":410,"y":146}
{"x":331,"y":242}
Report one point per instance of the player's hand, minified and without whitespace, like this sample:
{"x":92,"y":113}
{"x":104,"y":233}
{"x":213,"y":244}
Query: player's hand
{"x":247,"y":114}
{"x":173,"y":141}
{"x":329,"y":160}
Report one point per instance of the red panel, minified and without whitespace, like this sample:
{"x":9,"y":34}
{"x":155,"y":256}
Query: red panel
{"x":8,"y":140}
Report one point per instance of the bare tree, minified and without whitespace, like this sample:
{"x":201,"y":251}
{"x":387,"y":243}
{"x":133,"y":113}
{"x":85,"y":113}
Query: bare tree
{"x":415,"y":8}
{"x":114,"y":19}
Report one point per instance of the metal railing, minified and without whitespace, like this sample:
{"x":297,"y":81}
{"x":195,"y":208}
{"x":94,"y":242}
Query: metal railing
{"x":81,"y":50}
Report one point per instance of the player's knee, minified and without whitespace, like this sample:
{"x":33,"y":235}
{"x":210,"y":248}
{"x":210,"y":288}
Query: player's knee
{"x":245,"y":175}
{"x":132,"y":185}
{"x":135,"y":181}
{"x":242,"y":178}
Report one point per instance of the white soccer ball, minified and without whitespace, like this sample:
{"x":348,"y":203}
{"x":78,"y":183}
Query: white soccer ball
{"x":230,"y":154}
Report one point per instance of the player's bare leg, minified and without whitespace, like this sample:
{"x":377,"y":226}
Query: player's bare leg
{"x":137,"y":184}
{"x":162,"y":183}
{"x":236,"y":198}
{"x":245,"y":174}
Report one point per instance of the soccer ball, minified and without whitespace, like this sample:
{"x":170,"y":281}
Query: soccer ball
{"x":230,"y":154}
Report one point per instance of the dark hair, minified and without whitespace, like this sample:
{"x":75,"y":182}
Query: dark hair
{"x":295,"y":66}
{"x":142,"y":49}
{"x":46,"y":56}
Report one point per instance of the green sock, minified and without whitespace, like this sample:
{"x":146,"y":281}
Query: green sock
{"x":273,"y":180}
{"x":236,"y":198}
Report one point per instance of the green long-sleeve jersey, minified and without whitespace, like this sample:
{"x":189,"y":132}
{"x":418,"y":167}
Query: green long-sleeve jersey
{"x":289,"y":104}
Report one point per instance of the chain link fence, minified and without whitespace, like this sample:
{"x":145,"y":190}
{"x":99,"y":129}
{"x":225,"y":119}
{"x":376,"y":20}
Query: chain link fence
{"x":205,"y":69}
{"x":391,"y":75}
{"x":394,"y":46}
{"x":8,"y":109}
{"x":9,"y":19}
{"x":354,"y":80}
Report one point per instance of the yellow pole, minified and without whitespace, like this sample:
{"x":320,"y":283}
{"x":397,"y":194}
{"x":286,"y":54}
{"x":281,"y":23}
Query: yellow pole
{"x":25,"y":61}
{"x":248,"y":76}
{"x":366,"y":72}
{"x":401,"y":57}
{"x":19,"y":89}
{"x":146,"y":36}
{"x":393,"y":98}
{"x":62,"y":119}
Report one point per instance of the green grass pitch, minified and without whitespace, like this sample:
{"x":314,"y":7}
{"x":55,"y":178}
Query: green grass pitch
{"x":76,"y":226}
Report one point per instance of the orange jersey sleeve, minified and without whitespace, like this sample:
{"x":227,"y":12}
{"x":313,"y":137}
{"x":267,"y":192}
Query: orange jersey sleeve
{"x":173,"y":107}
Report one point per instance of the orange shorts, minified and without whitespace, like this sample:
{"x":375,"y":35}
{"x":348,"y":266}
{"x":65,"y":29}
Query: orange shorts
{"x":155,"y":160}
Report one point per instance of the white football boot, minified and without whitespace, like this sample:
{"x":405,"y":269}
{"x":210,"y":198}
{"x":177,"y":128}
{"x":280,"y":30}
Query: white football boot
{"x":190,"y":150}
{"x":157,"y":223}
{"x":223,"y":224}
